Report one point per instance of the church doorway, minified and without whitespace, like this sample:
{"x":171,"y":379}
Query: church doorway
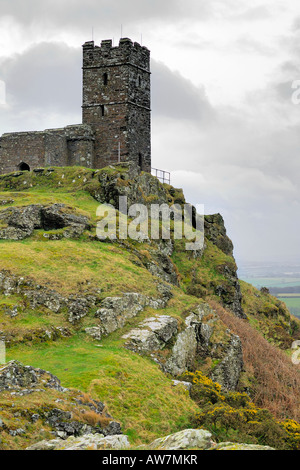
{"x":23,"y":166}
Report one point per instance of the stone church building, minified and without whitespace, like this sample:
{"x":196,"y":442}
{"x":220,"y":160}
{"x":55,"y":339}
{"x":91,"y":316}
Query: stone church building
{"x":116,"y":116}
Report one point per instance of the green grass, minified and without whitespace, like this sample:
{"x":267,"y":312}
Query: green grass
{"x":273,"y":281}
{"x":65,"y":263}
{"x":292,"y":301}
{"x":134,"y":389}
{"x":81,"y":200}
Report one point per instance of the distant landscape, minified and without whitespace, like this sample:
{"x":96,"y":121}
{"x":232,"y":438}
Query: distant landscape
{"x":282,"y":280}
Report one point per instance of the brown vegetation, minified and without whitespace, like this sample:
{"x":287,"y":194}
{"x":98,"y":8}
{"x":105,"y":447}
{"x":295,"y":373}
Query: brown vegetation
{"x":273,"y":380}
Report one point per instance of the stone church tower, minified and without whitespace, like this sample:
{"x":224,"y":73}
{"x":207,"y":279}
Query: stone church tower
{"x":116,"y":101}
{"x":116,"y":117}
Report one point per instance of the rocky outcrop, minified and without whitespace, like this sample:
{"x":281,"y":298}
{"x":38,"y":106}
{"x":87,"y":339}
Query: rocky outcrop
{"x":162,"y":266}
{"x":158,"y":262}
{"x":215,"y":231}
{"x":191,"y":340}
{"x":64,"y":424}
{"x":34,"y":335}
{"x":113,"y":312}
{"x":86,"y":442}
{"x":230,"y":293}
{"x":184,"y":345}
{"x":77,"y":306}
{"x":116,"y":311}
{"x":199,"y":439}
{"x":152,"y":334}
{"x":16,"y":377}
{"x":77,"y":416}
{"x":228,"y":370}
{"x":139,"y":188}
{"x":20,"y":222}
{"x":188,"y":439}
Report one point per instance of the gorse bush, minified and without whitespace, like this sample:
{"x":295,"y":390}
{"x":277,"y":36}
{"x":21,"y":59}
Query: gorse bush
{"x":233,"y":416}
{"x":293,"y":430}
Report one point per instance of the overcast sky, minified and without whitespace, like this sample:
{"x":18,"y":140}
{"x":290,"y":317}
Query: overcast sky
{"x":223,"y":118}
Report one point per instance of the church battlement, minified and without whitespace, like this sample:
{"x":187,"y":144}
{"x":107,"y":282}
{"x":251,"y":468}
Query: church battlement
{"x":108,"y":55}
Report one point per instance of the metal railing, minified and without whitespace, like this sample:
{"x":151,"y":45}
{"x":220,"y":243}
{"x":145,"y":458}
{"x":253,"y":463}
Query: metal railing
{"x":162,"y":175}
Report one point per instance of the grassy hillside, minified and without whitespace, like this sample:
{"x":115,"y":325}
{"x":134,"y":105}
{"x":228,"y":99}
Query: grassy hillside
{"x":134,"y":388}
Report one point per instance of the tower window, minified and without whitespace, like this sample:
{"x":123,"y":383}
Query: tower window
{"x":140,"y":161}
{"x":105,"y":79}
{"x":102,"y":110}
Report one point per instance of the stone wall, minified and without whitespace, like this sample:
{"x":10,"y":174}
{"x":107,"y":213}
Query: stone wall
{"x":80,"y":145}
{"x":71,"y":145}
{"x":18,"y":147}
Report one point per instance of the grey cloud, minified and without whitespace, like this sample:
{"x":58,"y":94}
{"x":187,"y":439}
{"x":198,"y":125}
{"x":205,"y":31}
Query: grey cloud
{"x":247,"y":44}
{"x":46,"y":75}
{"x":258,"y":13}
{"x":245,"y":165}
{"x":101,"y":12}
{"x":175,"y":96}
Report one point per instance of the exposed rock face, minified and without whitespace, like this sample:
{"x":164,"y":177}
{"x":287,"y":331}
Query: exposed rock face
{"x":86,"y":442}
{"x":77,"y":305}
{"x":94,"y":332}
{"x":64,"y":424}
{"x":136,"y":186}
{"x":22,"y":221}
{"x":228,"y":371}
{"x":162,"y":266}
{"x":152,"y":334}
{"x":215,"y":231}
{"x":182,"y":383}
{"x":188,"y":344}
{"x":115,"y":311}
{"x":193,"y":339}
{"x":14,"y":376}
{"x":183,"y":440}
{"x":17,"y":380}
{"x":229,"y":292}
{"x":35,"y":335}
{"x":188,"y":439}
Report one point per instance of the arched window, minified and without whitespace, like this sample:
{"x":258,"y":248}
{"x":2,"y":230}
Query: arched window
{"x":105,"y":79}
{"x":23,"y":166}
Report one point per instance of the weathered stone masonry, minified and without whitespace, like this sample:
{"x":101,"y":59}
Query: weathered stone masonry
{"x":116,"y":116}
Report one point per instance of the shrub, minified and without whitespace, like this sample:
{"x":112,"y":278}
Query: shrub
{"x":233,"y":416}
